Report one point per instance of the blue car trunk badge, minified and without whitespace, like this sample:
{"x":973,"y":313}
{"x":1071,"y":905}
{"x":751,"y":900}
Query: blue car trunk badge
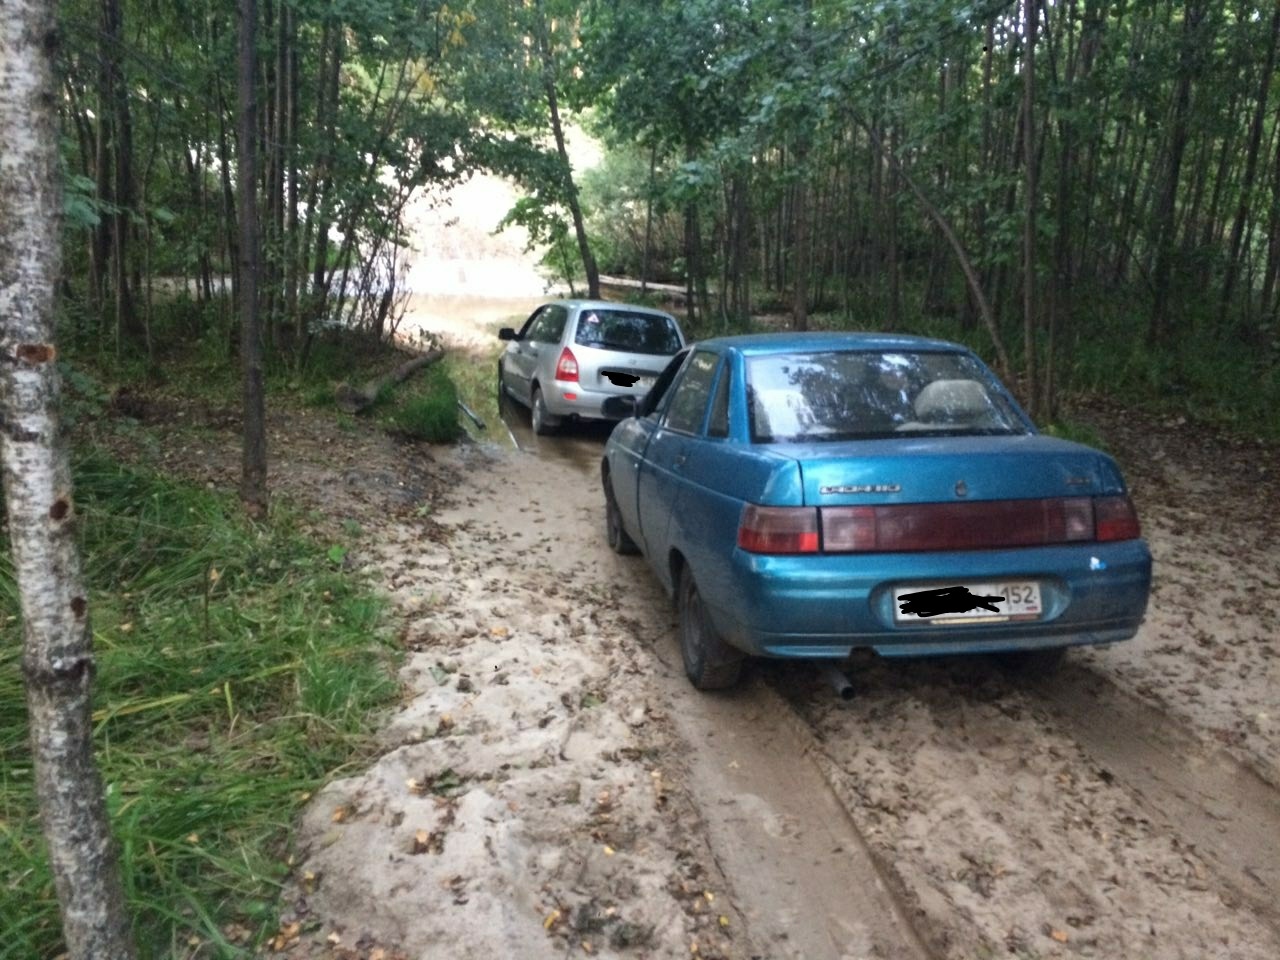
{"x":962,"y":488}
{"x":863,"y":488}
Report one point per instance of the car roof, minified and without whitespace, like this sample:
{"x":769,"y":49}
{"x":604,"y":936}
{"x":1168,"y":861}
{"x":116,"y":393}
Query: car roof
{"x":607,"y":305}
{"x":760,"y":344}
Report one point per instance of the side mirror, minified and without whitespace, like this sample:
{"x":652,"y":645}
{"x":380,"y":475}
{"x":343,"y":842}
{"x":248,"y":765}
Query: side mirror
{"x":619,"y":408}
{"x":507,"y":333}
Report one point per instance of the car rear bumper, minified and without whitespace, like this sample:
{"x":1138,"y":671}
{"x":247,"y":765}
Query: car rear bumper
{"x":567,"y":399}
{"x":828,"y":605}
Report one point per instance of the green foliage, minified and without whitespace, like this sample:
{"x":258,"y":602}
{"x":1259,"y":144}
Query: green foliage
{"x":427,"y":409}
{"x":237,"y":671}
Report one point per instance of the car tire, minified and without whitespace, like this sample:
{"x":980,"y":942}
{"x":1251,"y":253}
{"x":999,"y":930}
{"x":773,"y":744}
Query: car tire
{"x":502,"y":387}
{"x":1034,"y":662}
{"x":544,"y":423}
{"x":615,"y":533}
{"x":709,"y":662}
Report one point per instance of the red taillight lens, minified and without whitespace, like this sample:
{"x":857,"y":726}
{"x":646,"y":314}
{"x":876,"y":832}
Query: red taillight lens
{"x":1116,"y":519}
{"x":778,"y":529}
{"x":981,"y":525}
{"x":567,"y":366}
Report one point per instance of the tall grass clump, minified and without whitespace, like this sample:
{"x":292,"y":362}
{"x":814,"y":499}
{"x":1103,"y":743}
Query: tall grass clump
{"x":427,"y":410}
{"x":238,"y":669}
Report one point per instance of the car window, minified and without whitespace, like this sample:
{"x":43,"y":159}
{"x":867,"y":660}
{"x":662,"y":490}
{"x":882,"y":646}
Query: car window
{"x":627,"y":330}
{"x":654,"y":401}
{"x":689,"y":402}
{"x":528,"y":324}
{"x":718,"y":425}
{"x":855,"y":395}
{"x":543,"y":328}
{"x":557,"y":317}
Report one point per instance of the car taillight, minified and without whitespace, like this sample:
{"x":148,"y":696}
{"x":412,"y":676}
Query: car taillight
{"x":981,"y":525}
{"x":849,"y":528}
{"x":567,"y":366}
{"x":778,"y":529}
{"x":1068,"y":519}
{"x":1115,"y":518}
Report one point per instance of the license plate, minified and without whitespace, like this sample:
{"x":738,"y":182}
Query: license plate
{"x":968,"y":603}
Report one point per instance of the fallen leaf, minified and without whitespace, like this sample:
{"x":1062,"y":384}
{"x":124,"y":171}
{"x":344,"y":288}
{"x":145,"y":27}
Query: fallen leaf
{"x":340,"y":814}
{"x":1059,"y":935}
{"x":552,"y":917}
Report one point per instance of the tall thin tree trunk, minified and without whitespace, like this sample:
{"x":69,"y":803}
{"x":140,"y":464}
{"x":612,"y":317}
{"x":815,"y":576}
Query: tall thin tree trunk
{"x":1030,"y":16}
{"x":800,"y":244}
{"x":549,"y":81}
{"x":1251,"y":166}
{"x":648,"y":220}
{"x":291,"y":165}
{"x":253,"y":473}
{"x":962,"y":256}
{"x":58,"y":643}
{"x":1162,"y":235}
{"x":1273,"y":233}
{"x":122,"y":141}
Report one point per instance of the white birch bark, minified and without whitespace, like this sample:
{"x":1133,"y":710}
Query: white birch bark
{"x":57,"y":658}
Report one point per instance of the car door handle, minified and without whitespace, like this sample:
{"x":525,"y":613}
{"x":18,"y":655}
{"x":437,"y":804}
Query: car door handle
{"x":678,"y":461}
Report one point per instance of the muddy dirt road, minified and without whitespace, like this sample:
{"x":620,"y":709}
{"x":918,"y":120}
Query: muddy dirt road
{"x":553,"y":786}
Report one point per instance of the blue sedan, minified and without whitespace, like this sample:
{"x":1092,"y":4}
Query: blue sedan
{"x":803,"y":495}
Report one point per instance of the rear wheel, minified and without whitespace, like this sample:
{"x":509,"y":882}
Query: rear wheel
{"x":619,"y":540}
{"x":709,"y":662}
{"x":544,"y":422}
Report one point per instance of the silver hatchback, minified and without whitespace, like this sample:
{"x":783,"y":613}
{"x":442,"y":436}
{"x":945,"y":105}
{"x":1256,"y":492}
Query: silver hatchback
{"x":572,"y":355}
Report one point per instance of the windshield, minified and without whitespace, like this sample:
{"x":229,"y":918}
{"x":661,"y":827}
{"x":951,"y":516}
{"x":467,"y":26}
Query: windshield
{"x":628,"y":331}
{"x":859,"y":395}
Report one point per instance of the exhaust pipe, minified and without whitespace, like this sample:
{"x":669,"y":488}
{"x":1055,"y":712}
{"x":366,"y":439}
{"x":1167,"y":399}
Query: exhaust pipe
{"x":840,"y":683}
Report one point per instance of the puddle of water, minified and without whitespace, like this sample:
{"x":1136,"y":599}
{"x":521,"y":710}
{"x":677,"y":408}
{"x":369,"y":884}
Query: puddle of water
{"x":465,"y":320}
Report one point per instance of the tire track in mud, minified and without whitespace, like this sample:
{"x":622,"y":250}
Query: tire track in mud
{"x":1218,"y":804}
{"x":1010,"y":816}
{"x":1011,"y":828}
{"x":810,"y":885}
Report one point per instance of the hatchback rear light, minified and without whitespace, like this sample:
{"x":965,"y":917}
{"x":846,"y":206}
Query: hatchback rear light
{"x":567,"y":366}
{"x":1116,"y":518}
{"x":778,"y":529}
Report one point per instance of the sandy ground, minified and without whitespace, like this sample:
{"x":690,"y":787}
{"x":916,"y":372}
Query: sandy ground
{"x":551,"y":786}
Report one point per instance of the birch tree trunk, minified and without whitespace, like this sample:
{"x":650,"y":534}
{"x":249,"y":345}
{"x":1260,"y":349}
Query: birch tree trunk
{"x":58,"y":656}
{"x":253,"y":472}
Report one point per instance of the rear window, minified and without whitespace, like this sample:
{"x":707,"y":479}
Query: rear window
{"x":628,"y":331}
{"x":857,"y":395}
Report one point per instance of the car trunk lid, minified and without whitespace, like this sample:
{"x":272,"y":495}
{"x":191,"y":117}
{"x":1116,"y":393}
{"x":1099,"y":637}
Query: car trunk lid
{"x":950,"y":469}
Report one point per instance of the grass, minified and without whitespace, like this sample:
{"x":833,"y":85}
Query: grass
{"x":425,"y":408}
{"x":239,"y":668}
{"x":475,"y":375}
